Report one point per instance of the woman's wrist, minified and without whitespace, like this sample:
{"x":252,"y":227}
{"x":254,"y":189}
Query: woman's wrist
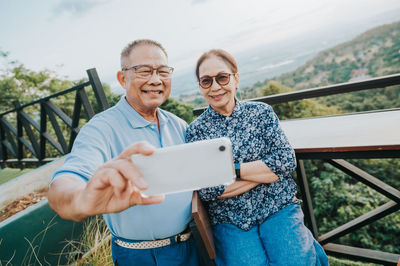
{"x":237,"y":172}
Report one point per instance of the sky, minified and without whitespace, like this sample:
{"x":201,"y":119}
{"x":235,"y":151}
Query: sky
{"x":70,"y":36}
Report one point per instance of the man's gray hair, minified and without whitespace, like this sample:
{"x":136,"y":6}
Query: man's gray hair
{"x":127,"y":50}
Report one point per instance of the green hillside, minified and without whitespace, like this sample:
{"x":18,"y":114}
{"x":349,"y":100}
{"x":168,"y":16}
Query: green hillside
{"x":372,"y":54}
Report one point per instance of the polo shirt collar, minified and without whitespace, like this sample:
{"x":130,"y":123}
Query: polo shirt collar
{"x":162,"y":117}
{"x":135,"y":119}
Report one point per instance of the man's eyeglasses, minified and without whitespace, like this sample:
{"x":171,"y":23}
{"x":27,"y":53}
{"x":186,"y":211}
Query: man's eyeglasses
{"x":145,"y":71}
{"x":222,"y":79}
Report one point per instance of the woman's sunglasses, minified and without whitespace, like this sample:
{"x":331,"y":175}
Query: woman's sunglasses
{"x":222,"y":79}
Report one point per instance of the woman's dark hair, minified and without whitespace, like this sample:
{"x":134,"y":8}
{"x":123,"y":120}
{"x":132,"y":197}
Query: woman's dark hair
{"x":224,"y":55}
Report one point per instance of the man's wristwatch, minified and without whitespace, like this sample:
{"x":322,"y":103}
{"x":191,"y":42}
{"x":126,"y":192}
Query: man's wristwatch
{"x":237,"y":171}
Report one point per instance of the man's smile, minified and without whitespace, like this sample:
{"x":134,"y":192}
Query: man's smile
{"x":152,"y":91}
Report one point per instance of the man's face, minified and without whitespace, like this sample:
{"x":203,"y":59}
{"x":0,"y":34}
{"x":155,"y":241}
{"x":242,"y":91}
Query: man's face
{"x":145,"y":94}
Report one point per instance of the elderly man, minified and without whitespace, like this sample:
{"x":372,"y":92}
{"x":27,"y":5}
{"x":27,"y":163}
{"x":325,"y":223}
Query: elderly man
{"x":99,"y":178}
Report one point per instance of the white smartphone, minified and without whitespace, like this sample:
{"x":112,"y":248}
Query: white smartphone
{"x":186,"y":167}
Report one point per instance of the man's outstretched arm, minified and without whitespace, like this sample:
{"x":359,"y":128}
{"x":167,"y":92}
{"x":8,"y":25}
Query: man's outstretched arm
{"x":114,"y":187}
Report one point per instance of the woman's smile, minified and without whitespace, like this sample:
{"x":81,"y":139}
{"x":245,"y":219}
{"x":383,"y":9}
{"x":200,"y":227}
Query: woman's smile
{"x":217,"y":97}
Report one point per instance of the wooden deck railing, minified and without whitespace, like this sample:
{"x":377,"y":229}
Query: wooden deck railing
{"x":25,"y":140}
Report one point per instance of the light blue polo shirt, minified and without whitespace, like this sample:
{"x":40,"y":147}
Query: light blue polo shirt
{"x":104,"y":137}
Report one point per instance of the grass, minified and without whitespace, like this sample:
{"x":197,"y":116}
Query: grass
{"x":94,"y":247}
{"x":92,"y":250}
{"x":7,"y":174}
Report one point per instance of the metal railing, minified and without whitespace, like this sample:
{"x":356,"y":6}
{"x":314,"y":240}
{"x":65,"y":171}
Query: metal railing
{"x":26,"y":142}
{"x":336,"y":160}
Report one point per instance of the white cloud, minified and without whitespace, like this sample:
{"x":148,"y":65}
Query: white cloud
{"x":194,"y":2}
{"x":76,"y":7}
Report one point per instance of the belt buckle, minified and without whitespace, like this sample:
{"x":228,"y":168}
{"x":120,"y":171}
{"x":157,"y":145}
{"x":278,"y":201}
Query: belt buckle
{"x":178,"y":238}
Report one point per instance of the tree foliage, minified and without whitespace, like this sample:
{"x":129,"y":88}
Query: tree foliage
{"x":375,"y":99}
{"x":20,"y":83}
{"x":295,"y":109}
{"x":181,"y":110}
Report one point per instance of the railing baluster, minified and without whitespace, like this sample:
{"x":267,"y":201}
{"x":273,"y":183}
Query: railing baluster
{"x":56,"y":127}
{"x":98,"y":89}
{"x":43,"y":128}
{"x":366,"y":179}
{"x":305,"y":192}
{"x":359,"y":222}
{"x":10,"y":143}
{"x":3,"y":149}
{"x":75,"y":120}
{"x":9,"y":146}
{"x":28,"y":145}
{"x":53,"y":142}
{"x":20,"y":150}
{"x":25,"y":121}
{"x":375,"y":256}
{"x":29,"y":119}
{"x":30,"y":134}
{"x":86,"y":103}
{"x":63,"y":116}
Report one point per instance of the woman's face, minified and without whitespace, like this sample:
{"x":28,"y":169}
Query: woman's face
{"x":220,"y":97}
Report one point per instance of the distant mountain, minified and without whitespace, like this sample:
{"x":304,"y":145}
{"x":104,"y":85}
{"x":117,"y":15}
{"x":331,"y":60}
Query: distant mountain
{"x":375,"y":52}
{"x":372,"y":54}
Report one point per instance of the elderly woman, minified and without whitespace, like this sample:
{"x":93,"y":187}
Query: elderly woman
{"x":256,"y":220}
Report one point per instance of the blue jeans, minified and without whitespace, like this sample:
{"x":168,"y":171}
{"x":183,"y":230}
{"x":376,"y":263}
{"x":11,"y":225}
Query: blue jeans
{"x":282,"y":239}
{"x":184,"y":253}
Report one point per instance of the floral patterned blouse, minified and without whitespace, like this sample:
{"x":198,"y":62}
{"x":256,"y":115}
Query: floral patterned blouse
{"x":255,"y":133}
